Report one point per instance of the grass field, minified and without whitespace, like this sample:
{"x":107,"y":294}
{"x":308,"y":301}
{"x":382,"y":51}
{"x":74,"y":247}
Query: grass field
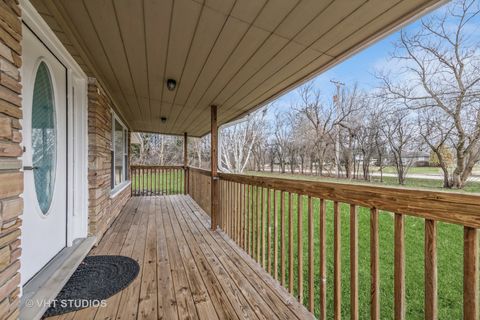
{"x":412,"y":170}
{"x":449,"y":251}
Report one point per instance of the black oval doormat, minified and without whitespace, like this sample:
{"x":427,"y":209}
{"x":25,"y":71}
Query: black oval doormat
{"x":96,"y":279}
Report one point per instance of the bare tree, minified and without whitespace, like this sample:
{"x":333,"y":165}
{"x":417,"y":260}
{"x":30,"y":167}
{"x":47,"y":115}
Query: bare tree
{"x":399,"y":132}
{"x":441,"y":80}
{"x":282,"y":139}
{"x":199,"y":152}
{"x":237,"y":141}
{"x":158,"y":149}
{"x":368,"y":141}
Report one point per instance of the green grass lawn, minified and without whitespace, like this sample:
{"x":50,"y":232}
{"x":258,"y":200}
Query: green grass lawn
{"x":450,"y":255}
{"x":412,"y":170}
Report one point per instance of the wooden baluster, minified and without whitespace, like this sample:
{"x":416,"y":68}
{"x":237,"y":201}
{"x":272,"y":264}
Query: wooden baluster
{"x":232,"y":212}
{"x":149,"y":181}
{"x":247,"y":222}
{"x":470,"y":274}
{"x":353,"y":263}
{"x":252,"y":221}
{"x":235,"y":201}
{"x":224,"y":209}
{"x":290,"y":243}
{"x":142,"y":190}
{"x":259,"y":220}
{"x":139,"y":185}
{"x":228,"y":207}
{"x":264,"y":222}
{"x":399,"y":268}
{"x":430,"y":269}
{"x":239,"y":212}
{"x":232,"y":221}
{"x":275,"y":236}
{"x":252,"y":224}
{"x":225,"y":206}
{"x":311,"y":282}
{"x":282,"y":237}
{"x":134,"y":179}
{"x":323,"y":262}
{"x":337,"y":260}
{"x":242,"y":216}
{"x":269,"y":236}
{"x":155,"y":182}
{"x":166,"y":181}
{"x":300,"y":247}
{"x":221,"y":204}
{"x":374,"y":266}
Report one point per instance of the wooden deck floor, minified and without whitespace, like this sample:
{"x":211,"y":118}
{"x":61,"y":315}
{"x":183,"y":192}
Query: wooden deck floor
{"x":187,"y":271}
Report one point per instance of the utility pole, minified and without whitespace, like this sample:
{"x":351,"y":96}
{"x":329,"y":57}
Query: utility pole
{"x":336,"y":101}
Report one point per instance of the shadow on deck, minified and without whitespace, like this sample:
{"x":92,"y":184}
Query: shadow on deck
{"x":187,"y":271}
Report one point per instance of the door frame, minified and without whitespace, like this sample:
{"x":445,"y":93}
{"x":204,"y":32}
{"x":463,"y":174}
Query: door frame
{"x":77,"y":125}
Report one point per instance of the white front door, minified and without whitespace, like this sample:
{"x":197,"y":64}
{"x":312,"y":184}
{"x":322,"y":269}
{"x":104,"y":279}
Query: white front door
{"x":45,"y":157}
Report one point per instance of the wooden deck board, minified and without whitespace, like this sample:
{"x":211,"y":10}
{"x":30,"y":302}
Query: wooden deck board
{"x":187,"y":270}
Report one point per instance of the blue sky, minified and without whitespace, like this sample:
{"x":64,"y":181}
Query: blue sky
{"x":359,"y":69}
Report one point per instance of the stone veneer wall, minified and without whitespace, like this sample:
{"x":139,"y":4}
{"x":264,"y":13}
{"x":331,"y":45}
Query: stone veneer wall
{"x":11,"y":179}
{"x":102,"y":208}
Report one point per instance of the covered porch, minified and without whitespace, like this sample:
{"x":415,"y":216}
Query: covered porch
{"x":186,"y":270}
{"x":209,"y":244}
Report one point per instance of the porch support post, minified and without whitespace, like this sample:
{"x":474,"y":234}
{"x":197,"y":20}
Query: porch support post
{"x":214,"y":165}
{"x":185,"y":165}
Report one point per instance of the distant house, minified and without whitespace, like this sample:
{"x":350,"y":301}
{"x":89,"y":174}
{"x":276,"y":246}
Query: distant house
{"x":417,"y":159}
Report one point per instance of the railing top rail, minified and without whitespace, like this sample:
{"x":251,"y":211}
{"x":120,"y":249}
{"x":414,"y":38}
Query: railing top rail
{"x":156,"y":167}
{"x":457,"y":208}
{"x":199,"y":170}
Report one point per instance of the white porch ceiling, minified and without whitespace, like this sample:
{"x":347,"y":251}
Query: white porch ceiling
{"x":237,"y":55}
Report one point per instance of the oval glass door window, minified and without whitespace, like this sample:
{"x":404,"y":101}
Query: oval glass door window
{"x":44,"y":137}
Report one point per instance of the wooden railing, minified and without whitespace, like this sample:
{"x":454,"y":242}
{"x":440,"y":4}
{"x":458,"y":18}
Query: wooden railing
{"x":294,"y":229}
{"x":282,"y":224}
{"x":199,"y":187}
{"x":158,"y":180}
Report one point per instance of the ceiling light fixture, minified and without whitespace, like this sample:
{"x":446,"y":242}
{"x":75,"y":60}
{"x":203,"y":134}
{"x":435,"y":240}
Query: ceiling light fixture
{"x":163,"y":119}
{"x":171,"y":84}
